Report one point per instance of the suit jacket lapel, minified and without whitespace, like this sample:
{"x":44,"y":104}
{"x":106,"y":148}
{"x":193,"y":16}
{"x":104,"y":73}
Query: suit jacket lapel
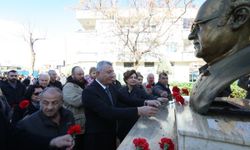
{"x":102,"y":92}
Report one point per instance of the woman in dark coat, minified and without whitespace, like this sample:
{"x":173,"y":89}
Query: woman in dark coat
{"x":130,"y":90}
{"x":31,"y":95}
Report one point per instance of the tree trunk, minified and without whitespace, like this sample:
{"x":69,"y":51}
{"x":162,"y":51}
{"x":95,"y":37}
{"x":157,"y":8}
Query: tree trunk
{"x":136,"y":64}
{"x":33,"y":58}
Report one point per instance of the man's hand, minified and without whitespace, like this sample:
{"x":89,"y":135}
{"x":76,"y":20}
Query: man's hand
{"x":65,"y":141}
{"x":153,"y":103}
{"x":164,"y":94}
{"x":147,"y":111}
{"x":162,"y":99}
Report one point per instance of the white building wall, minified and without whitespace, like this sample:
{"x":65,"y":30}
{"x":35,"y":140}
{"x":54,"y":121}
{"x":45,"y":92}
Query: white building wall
{"x":180,"y":72}
{"x":98,"y":42}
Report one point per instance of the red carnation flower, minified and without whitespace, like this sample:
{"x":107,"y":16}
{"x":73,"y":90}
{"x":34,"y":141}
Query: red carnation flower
{"x":175,"y":89}
{"x":148,"y":86}
{"x":179,"y":99}
{"x":141,"y":144}
{"x":166,"y":144}
{"x":185,"y":91}
{"x":74,"y":129}
{"x":24,"y":104}
{"x":175,"y":94}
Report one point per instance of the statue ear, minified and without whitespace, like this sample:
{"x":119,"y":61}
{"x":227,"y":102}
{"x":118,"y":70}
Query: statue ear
{"x":239,"y":17}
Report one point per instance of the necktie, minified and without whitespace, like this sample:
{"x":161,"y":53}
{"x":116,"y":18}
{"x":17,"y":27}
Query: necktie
{"x":109,"y":95}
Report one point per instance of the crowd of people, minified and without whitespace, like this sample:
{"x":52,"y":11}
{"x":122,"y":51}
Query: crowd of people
{"x":105,"y":109}
{"x":37,"y":114}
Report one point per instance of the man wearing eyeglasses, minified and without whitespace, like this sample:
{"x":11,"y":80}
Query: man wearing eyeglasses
{"x":13,"y":89}
{"x":221,"y":36}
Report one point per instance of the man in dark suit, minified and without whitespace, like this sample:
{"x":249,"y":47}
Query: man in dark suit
{"x":100,"y":100}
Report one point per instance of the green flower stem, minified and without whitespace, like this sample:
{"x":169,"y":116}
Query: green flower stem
{"x":165,"y":147}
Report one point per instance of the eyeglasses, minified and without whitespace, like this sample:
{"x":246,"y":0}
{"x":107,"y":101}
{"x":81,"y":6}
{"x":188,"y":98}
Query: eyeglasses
{"x":37,"y":93}
{"x":195,"y":23}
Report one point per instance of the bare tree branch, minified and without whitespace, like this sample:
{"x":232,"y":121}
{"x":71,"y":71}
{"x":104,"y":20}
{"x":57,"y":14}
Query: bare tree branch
{"x":144,"y":30}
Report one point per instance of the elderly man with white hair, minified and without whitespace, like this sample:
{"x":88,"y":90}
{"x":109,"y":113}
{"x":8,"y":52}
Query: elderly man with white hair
{"x":43,"y":80}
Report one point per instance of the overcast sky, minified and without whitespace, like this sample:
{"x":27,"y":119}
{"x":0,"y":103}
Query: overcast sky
{"x":52,"y":18}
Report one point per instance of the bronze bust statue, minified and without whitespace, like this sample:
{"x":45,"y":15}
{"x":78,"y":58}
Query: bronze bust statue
{"x":221,"y":36}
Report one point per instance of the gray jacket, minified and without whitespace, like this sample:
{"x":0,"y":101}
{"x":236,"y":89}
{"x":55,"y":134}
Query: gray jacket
{"x":72,"y":97}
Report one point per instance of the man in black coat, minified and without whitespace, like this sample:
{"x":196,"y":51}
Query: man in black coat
{"x":53,"y":79}
{"x":161,"y":88}
{"x":100,"y":100}
{"x":9,"y":138}
{"x":51,"y":121}
{"x":13,"y":89}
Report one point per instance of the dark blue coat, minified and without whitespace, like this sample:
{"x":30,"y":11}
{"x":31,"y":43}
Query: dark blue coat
{"x":36,"y":131}
{"x":102,"y":116}
{"x":13,"y":95}
{"x":125,"y":125}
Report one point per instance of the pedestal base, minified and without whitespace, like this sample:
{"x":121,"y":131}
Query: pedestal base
{"x":191,"y":131}
{"x":199,"y":132}
{"x":152,"y":129}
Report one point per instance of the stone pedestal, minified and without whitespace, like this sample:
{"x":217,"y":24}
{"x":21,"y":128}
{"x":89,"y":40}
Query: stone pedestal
{"x":153,"y":129}
{"x":191,"y":131}
{"x":197,"y":132}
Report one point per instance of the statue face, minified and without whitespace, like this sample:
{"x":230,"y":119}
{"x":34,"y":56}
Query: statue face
{"x":211,"y":39}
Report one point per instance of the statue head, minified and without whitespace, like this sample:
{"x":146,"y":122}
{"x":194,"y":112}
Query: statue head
{"x":221,"y":28}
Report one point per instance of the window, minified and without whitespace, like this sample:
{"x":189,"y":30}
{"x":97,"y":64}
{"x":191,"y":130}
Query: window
{"x":153,"y":28}
{"x":128,"y":64}
{"x":149,"y":64}
{"x":172,"y":47}
{"x":193,"y":76}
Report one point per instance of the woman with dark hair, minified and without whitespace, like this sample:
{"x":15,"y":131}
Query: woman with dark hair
{"x":31,"y":96}
{"x":91,"y":76}
{"x":131,"y":90}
